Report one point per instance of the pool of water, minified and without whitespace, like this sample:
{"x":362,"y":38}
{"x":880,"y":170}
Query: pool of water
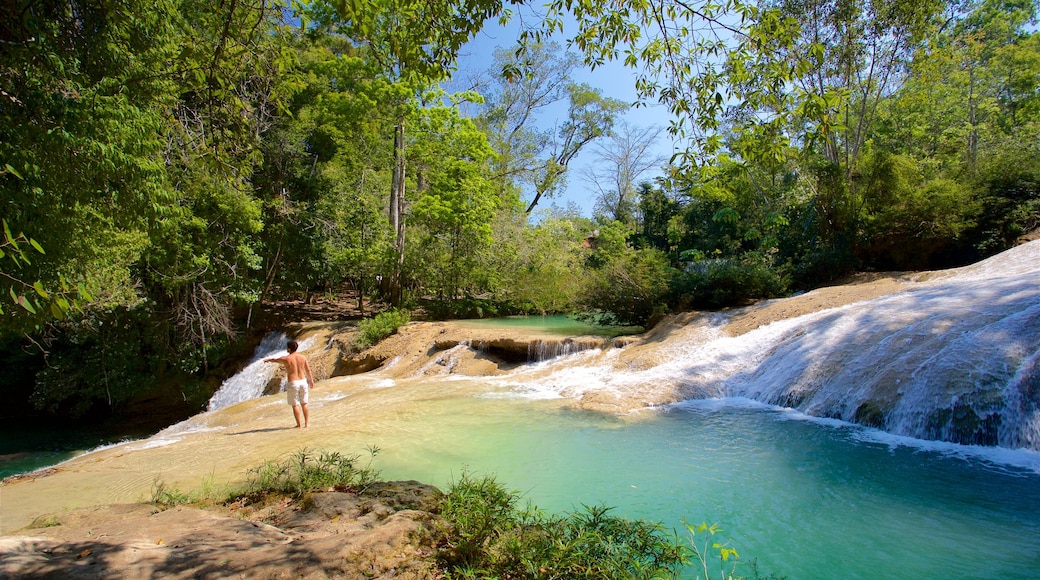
{"x":805,"y":499}
{"x":554,"y":324}
{"x":25,"y":448}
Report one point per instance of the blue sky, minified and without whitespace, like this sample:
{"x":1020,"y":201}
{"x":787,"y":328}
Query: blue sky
{"x":613,"y":79}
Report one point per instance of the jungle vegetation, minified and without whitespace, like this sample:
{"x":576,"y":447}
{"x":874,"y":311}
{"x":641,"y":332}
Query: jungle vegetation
{"x":167,"y":165}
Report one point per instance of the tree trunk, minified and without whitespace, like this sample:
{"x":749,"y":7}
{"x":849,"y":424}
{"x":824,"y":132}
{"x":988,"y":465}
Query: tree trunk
{"x":397,"y":212}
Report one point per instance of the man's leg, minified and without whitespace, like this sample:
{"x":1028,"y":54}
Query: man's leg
{"x":296,"y":413}
{"x":306,"y":416}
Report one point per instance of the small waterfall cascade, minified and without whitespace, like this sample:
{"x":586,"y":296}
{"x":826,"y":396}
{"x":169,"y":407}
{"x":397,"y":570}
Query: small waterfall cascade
{"x":955,"y":357}
{"x":249,"y":383}
{"x":543,"y":350}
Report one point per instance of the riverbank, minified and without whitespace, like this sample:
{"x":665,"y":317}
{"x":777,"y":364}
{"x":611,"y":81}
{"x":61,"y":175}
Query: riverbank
{"x":350,"y":411}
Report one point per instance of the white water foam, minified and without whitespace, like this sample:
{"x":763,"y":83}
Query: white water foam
{"x":956,"y":358}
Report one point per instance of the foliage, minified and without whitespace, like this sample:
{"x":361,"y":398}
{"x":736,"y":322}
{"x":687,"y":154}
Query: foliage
{"x":166,"y":497}
{"x":488,"y":535}
{"x":456,"y":208}
{"x":542,"y":265}
{"x":306,"y":471}
{"x":31,"y":295}
{"x":629,"y":288}
{"x":98,"y":362}
{"x":705,"y":545}
{"x":372,"y":330}
{"x":82,"y":121}
{"x":721,"y":282}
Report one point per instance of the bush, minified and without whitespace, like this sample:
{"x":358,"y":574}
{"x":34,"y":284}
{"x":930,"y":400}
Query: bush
{"x":713,"y":284}
{"x":373,"y":330}
{"x":305,"y":472}
{"x":489,"y":537}
{"x":628,"y":288}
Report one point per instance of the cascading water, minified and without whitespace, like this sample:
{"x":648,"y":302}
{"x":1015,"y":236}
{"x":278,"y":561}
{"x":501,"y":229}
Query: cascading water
{"x":249,"y":383}
{"x":953,"y":358}
{"x":543,"y":350}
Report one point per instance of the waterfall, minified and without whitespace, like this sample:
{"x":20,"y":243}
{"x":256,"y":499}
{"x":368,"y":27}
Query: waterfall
{"x":953,"y":358}
{"x":543,"y":350}
{"x":249,"y":383}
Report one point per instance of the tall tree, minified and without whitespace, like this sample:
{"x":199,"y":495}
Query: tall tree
{"x":589,"y":117}
{"x":457,"y":203}
{"x":232,"y":72}
{"x":416,"y":44}
{"x":619,"y":162}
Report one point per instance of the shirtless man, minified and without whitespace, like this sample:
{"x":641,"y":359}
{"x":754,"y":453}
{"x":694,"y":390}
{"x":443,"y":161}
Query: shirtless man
{"x":298,"y":373}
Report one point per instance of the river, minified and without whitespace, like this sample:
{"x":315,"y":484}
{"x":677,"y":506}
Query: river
{"x":761,"y":441}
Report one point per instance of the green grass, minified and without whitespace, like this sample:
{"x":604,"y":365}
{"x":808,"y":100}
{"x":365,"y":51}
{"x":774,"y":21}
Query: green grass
{"x":307,"y":471}
{"x":490,"y":536}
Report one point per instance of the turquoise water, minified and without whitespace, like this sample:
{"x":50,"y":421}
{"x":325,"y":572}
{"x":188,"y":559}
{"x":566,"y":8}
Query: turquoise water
{"x":27,"y":448}
{"x":806,"y":499}
{"x":555,"y":324}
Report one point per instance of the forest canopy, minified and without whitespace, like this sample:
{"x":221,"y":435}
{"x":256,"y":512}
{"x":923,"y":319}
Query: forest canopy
{"x":165,"y":166}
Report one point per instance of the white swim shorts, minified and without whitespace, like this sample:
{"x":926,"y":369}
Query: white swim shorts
{"x":296,"y":392}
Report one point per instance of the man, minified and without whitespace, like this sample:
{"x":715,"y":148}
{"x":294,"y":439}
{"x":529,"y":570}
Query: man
{"x":298,"y":374}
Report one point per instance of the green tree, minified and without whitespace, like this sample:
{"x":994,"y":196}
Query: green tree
{"x":964,"y":116}
{"x":231,"y":74}
{"x":625,"y":285}
{"x":83,"y":119}
{"x":326,"y":173}
{"x":457,"y":204}
{"x":415,"y":44}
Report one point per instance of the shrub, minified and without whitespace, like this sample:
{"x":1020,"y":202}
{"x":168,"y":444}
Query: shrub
{"x":720,"y":283}
{"x":488,"y":536}
{"x":305,"y":472}
{"x":373,"y":330}
{"x":628,"y":288}
{"x":165,"y":497}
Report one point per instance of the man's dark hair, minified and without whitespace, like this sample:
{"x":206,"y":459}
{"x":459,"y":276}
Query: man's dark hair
{"x":291,"y":346}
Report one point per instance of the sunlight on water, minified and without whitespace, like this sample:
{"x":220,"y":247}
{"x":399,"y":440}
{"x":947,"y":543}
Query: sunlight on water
{"x":807,"y":500}
{"x":556,"y":325}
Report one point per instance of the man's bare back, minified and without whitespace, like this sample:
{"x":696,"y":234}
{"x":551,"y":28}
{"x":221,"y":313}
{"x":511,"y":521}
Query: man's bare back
{"x":296,"y":367}
{"x":298,"y":374}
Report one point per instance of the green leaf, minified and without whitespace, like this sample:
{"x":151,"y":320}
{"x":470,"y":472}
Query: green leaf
{"x":38,"y":286}
{"x":13,"y":171}
{"x":83,"y":292}
{"x":36,"y":245}
{"x":24,"y":303}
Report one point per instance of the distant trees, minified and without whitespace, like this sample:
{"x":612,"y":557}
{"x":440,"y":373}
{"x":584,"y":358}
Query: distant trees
{"x":521,"y":87}
{"x":619,"y":162}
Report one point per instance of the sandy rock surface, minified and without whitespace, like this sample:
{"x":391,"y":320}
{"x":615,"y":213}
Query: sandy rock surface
{"x":384,"y":532}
